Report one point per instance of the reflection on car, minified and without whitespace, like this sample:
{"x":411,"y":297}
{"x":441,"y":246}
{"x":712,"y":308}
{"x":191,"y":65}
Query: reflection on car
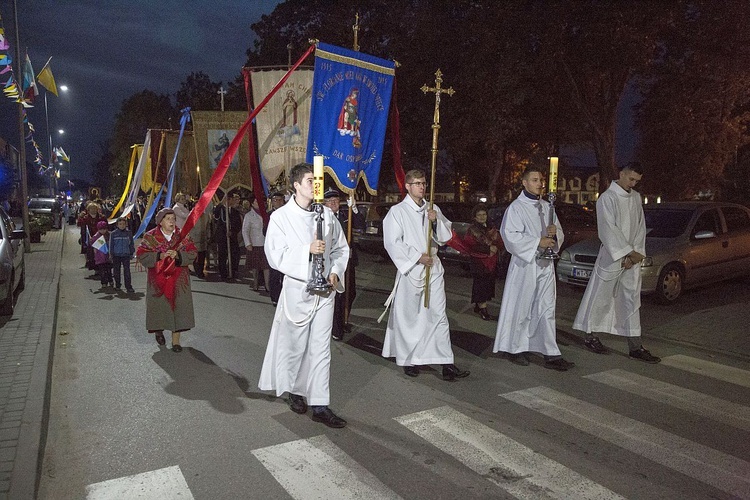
{"x":12,"y":265}
{"x":687,"y":244}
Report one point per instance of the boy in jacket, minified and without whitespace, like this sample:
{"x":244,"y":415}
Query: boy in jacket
{"x":122,"y":249}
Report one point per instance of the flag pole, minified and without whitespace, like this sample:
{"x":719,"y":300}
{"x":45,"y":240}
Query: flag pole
{"x":437,"y":89}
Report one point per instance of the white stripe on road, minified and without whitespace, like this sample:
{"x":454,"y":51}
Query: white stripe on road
{"x":317,"y":468}
{"x":695,"y":402}
{"x":722,"y":471}
{"x":161,"y":484}
{"x":709,"y":369}
{"x":519,"y":470}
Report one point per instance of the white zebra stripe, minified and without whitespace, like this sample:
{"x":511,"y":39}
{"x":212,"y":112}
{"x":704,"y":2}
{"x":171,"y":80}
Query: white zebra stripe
{"x":517,"y":469}
{"x":725,"y":373}
{"x":695,"y":402}
{"x":161,"y":484}
{"x":722,"y":471}
{"x":317,"y":468}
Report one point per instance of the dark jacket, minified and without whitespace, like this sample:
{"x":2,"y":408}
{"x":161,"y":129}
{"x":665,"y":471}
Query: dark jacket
{"x":121,"y":243}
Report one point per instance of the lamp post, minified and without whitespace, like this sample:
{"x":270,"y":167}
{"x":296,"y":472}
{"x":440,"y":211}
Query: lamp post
{"x":53,"y":184}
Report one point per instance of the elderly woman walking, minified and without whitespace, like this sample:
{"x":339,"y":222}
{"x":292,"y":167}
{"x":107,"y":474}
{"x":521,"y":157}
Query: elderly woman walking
{"x":169,"y":299}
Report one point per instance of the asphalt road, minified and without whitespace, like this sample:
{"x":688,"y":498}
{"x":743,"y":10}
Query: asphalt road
{"x":131,"y":420}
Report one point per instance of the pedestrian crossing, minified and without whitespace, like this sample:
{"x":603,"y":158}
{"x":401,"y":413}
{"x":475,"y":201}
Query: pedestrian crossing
{"x":318,"y":468}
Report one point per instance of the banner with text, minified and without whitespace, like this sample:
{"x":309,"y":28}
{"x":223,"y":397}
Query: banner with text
{"x":283,"y":123}
{"x":350,"y":100}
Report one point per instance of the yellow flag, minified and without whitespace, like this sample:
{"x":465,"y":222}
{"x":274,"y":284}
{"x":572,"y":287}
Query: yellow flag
{"x":46,"y":79}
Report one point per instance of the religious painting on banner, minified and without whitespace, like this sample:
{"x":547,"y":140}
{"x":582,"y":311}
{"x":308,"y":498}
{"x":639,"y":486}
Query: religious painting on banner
{"x":282,"y":124}
{"x":213,"y":132}
{"x":349,"y":114}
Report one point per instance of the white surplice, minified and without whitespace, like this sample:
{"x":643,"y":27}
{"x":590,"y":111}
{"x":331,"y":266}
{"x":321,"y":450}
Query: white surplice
{"x":298,"y":356}
{"x":527,"y":314}
{"x":416,"y":335}
{"x":612,"y":300}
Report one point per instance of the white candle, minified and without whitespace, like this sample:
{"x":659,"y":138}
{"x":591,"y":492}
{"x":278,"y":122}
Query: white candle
{"x":318,"y":179}
{"x":552,"y":180}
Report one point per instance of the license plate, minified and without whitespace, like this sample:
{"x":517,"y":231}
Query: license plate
{"x":582,"y":273}
{"x":371,"y":230}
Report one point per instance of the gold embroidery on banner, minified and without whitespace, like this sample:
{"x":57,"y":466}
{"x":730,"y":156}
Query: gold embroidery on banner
{"x":354,"y":62}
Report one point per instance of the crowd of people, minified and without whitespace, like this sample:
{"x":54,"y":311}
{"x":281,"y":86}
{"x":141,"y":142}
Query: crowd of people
{"x":285,"y":250}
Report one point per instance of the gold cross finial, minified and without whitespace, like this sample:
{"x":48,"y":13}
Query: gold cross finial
{"x":438,"y":89}
{"x":355,"y":28}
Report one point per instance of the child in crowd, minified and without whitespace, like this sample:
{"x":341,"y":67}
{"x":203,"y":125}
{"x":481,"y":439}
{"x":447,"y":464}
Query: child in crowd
{"x":98,"y":243}
{"x":122,"y":249}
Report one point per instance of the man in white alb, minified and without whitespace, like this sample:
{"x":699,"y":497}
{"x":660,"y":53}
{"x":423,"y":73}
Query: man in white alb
{"x":417,"y":335}
{"x":298,"y":356}
{"x":612,"y":300}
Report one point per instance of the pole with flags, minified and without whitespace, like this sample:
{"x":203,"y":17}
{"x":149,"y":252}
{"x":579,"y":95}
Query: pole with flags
{"x":437,"y":89}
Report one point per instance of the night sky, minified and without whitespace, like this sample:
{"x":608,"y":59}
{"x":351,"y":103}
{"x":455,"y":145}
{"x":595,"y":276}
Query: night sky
{"x":106,"y":51}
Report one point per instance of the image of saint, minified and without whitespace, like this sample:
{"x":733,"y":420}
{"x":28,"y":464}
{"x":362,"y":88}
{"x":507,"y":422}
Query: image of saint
{"x":220,"y":147}
{"x":289,"y":132}
{"x":349,"y":123}
{"x":218,"y":144}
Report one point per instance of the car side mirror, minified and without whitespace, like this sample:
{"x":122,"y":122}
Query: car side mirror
{"x":18,"y":234}
{"x":704,"y":235}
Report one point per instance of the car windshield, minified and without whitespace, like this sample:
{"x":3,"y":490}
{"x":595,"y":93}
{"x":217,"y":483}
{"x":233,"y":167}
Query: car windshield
{"x":666,"y":223}
{"x":41,"y":203}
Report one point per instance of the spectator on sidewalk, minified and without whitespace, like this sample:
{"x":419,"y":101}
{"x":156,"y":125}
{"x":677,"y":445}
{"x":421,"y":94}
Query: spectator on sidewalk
{"x":227,"y":229}
{"x":169,"y":299}
{"x":181,"y":211}
{"x":122,"y":249}
{"x":484,"y":242}
{"x":98,"y":244}
{"x":276,"y":277}
{"x":253,"y":235}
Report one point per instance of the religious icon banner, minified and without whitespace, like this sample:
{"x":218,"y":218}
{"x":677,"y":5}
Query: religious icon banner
{"x":283,"y":122}
{"x":349,"y":113}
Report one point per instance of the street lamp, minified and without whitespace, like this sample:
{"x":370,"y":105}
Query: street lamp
{"x":61,"y":131}
{"x":53,"y":187}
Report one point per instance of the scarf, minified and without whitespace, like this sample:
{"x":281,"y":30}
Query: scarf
{"x":165,"y":274}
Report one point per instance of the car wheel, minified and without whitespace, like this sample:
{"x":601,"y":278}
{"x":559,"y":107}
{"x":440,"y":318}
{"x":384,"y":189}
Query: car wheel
{"x":669,"y":286}
{"x":6,"y":308}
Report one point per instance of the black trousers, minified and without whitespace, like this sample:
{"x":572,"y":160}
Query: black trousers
{"x":200,"y":263}
{"x":277,"y":282}
{"x":340,"y":302}
{"x":125,"y":263}
{"x":233,"y":254}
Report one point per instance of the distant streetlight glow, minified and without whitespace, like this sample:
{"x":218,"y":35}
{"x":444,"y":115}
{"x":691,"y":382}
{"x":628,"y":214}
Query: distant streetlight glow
{"x":61,"y":131}
{"x":64,"y":88}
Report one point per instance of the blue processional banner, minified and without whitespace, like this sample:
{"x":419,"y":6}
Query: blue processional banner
{"x":349,"y":113}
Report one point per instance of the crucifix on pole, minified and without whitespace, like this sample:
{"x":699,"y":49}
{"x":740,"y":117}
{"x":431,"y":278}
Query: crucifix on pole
{"x":222,"y":93}
{"x":437,"y":89}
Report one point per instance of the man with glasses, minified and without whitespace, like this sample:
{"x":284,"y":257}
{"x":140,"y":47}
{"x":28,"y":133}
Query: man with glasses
{"x":417,"y":335}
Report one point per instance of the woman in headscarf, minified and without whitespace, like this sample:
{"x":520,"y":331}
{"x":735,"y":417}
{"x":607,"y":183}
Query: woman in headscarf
{"x":169,"y":299}
{"x":484,"y":243}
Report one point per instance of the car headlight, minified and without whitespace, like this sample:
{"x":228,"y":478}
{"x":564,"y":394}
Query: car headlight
{"x":647,"y":262}
{"x":565,"y":255}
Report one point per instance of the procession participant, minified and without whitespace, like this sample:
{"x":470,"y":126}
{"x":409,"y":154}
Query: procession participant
{"x":169,"y":299}
{"x":253,"y":235}
{"x":344,"y":301}
{"x":612,"y":300}
{"x":527,"y":314}
{"x":181,"y":211}
{"x":88,"y":221}
{"x":417,"y":335}
{"x":276,"y":278}
{"x":228,"y":249}
{"x":484,"y":243}
{"x":298,"y":356}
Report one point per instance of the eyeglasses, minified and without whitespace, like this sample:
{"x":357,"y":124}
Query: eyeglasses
{"x":420,"y":183}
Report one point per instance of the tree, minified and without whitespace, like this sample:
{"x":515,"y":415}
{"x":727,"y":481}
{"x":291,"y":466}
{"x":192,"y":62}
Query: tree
{"x":199,"y":93}
{"x":696,"y":106}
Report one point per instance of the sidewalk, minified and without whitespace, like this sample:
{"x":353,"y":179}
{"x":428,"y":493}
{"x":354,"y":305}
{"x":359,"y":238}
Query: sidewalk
{"x":25,"y":361}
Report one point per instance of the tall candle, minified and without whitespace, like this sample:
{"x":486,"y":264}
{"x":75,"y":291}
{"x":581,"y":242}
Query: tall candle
{"x":552,"y":180}
{"x":318,"y":179}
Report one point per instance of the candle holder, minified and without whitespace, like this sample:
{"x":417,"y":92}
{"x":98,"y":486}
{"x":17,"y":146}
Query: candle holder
{"x":548,"y":253}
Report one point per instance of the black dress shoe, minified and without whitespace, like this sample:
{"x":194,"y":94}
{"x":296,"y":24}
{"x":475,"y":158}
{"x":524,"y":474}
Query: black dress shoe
{"x":452,"y":372}
{"x":558,"y":364}
{"x":485,"y":315}
{"x":337,"y":335}
{"x":297,"y":404}
{"x":160,"y":338}
{"x":177,"y":348}
{"x":347,"y":328}
{"x":520,"y":359}
{"x":327,"y":417}
{"x":411,"y":371}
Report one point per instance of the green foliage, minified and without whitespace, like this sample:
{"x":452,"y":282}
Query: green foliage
{"x":39,"y":223}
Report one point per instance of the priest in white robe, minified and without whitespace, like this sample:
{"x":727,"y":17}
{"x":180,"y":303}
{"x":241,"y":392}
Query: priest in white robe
{"x":417,"y":335}
{"x":527,"y":315}
{"x":612,"y":301}
{"x":298,"y":356}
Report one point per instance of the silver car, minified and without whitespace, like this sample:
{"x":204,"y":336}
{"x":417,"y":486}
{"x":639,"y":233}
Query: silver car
{"x":687,"y":244}
{"x":12,"y":265}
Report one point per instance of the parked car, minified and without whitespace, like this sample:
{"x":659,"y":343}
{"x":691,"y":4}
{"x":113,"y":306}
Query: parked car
{"x":12,"y":265}
{"x":371,"y":239}
{"x":47,"y":206}
{"x":687,"y":244}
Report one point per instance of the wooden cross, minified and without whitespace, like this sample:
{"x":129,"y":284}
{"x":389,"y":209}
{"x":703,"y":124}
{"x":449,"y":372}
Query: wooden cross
{"x":222,"y":92}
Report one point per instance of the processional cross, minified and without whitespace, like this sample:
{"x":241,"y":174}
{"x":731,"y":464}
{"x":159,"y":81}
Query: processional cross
{"x":221,"y":92}
{"x":437,"y":89}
